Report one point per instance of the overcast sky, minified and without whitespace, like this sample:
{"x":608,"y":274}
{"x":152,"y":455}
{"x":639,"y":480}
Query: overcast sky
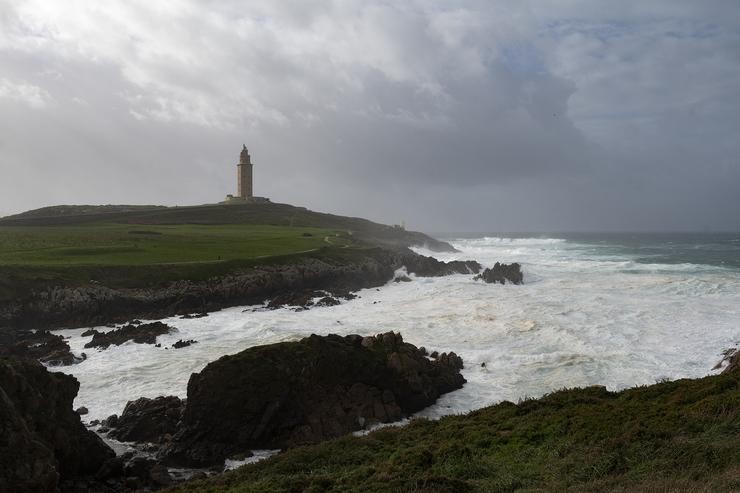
{"x":492,"y":116}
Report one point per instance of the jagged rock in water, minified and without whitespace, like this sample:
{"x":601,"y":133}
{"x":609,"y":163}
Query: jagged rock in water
{"x":345,"y":295}
{"x":450,"y":359}
{"x":181,"y":344}
{"x":300,"y":392}
{"x":42,"y":345}
{"x":140,"y":334}
{"x":42,"y":440}
{"x":502,"y":273}
{"x":147,"y":420}
{"x":402,"y":279}
{"x":302,"y":298}
{"x":328,"y":301}
{"x":431,"y":267}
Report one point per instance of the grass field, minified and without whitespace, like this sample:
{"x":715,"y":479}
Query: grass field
{"x":279,"y":215}
{"x":121,"y":244}
{"x":134,"y":255}
{"x":671,"y":436}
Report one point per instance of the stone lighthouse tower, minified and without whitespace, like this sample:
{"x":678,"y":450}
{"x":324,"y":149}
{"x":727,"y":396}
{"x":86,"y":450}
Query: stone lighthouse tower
{"x":244,"y":175}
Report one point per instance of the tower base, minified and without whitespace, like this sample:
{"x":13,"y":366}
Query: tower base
{"x":231,"y":199}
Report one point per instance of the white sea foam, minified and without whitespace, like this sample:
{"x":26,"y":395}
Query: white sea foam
{"x":257,"y":455}
{"x":584,"y":316}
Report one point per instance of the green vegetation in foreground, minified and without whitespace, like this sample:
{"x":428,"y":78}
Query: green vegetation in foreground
{"x":135,"y":255}
{"x":672,"y":436}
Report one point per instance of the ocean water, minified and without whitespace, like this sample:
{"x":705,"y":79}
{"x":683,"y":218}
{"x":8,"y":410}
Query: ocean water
{"x":613,"y":310}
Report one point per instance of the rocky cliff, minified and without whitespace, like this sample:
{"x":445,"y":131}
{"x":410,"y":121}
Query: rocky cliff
{"x":95,"y":303}
{"x":42,"y":440}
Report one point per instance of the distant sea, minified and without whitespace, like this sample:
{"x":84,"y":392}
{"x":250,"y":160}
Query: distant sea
{"x":596,"y":309}
{"x":715,"y":249}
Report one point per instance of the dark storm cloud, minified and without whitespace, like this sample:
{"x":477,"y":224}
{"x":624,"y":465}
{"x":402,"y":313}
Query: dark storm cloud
{"x":450,"y":116}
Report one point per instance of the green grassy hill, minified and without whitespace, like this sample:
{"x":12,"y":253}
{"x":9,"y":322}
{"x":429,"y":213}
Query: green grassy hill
{"x":220,"y":214}
{"x":672,"y":436}
{"x":124,"y":246}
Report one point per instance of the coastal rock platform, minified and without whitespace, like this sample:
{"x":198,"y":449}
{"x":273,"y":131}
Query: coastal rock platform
{"x":293,"y":393}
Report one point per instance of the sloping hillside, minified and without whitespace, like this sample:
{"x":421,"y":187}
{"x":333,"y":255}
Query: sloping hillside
{"x":262,"y":214}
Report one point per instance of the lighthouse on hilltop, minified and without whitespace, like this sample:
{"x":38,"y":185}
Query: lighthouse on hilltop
{"x":244,"y":175}
{"x":244,"y":186}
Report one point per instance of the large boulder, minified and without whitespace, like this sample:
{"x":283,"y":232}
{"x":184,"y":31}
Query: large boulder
{"x":314,"y":389}
{"x":138,"y":333}
{"x":502,"y":273}
{"x":50,"y":349}
{"x":148,"y":420}
{"x":42,"y":439}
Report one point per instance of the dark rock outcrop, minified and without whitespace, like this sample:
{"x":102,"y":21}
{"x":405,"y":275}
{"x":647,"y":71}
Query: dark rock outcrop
{"x":42,"y":440}
{"x":111,"y":421}
{"x":181,"y":344}
{"x":42,"y":345}
{"x":450,"y":359}
{"x":424,"y":266}
{"x":302,"y":298}
{"x":140,"y":334}
{"x":730,"y":360}
{"x":96,"y":304}
{"x":502,"y":273}
{"x":148,"y":420}
{"x":328,"y":301}
{"x":26,"y":463}
{"x":125,"y":473}
{"x":292,"y":393}
{"x":733,"y":364}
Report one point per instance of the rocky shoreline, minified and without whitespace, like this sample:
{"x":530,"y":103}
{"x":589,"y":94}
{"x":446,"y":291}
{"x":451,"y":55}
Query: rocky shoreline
{"x":275,"y":396}
{"x":382,"y":379}
{"x":96,"y":304}
{"x":280,"y":396}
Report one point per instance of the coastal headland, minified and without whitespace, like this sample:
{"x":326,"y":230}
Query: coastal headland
{"x":72,"y":266}
{"x":82,"y":266}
